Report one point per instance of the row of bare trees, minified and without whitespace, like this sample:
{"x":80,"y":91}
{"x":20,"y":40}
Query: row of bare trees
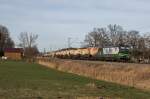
{"x":27,"y":42}
{"x":115,"y":35}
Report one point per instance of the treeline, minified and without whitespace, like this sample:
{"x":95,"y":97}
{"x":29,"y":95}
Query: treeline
{"x":115,"y":35}
{"x":27,"y":41}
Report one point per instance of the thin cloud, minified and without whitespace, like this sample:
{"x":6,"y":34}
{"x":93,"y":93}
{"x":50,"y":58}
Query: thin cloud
{"x":55,"y":20}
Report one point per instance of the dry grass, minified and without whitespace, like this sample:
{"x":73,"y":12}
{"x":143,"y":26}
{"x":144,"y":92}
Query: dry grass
{"x":136,"y":75}
{"x":94,"y":98}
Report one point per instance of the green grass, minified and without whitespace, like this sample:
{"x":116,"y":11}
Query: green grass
{"x":20,"y":80}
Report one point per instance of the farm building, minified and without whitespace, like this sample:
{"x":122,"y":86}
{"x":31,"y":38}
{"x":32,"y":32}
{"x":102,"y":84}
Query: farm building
{"x":13,"y":53}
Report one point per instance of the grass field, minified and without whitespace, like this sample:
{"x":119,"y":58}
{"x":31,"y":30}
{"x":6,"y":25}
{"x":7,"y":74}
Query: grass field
{"x":20,"y":80}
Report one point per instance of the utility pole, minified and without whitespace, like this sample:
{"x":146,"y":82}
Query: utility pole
{"x":50,"y":48}
{"x":44,"y":51}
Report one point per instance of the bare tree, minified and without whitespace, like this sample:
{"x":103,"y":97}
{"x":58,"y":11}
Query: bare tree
{"x":146,"y":46}
{"x":97,"y":38}
{"x":103,"y":37}
{"x":147,"y":40}
{"x":27,"y":39}
{"x":132,"y":38}
{"x":91,"y":39}
{"x":28,"y":42}
{"x":5,"y":40}
{"x":115,"y":34}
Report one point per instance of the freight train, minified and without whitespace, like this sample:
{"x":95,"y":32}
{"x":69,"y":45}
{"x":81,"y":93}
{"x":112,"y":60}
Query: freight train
{"x":93,"y":53}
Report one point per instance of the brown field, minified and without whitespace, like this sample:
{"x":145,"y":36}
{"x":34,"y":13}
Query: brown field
{"x":131,"y":74}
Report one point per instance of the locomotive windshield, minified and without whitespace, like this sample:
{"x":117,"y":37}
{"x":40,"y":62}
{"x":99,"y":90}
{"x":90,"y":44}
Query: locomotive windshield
{"x":124,"y":50}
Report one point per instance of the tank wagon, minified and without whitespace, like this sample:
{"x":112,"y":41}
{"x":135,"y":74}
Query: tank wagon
{"x":93,"y":53}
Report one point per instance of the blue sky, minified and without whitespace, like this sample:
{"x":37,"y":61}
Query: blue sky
{"x":56,"y":20}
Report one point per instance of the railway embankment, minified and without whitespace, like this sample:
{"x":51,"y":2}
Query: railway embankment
{"x":131,"y":74}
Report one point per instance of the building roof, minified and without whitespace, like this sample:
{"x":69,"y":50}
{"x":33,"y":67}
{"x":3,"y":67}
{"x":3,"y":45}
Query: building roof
{"x":15,"y":50}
